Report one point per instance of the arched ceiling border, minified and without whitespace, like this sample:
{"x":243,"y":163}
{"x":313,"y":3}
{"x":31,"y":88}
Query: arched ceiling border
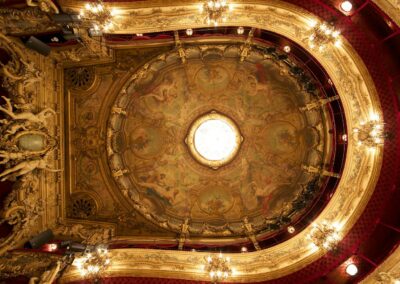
{"x":360,"y":175}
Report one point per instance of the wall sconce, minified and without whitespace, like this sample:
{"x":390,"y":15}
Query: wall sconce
{"x":100,"y":17}
{"x":324,"y":236}
{"x":215,"y":11}
{"x":370,"y":133}
{"x":93,"y":262}
{"x":218,"y":267}
{"x":322,"y":34}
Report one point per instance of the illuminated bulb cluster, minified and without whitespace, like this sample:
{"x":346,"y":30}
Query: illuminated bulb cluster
{"x":370,"y":133}
{"x":98,"y":15}
{"x":324,"y":236}
{"x":215,"y":11}
{"x":93,"y":262}
{"x":321,"y":35}
{"x":218,"y":267}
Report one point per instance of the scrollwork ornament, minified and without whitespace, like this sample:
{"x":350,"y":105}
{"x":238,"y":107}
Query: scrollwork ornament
{"x":22,"y":208}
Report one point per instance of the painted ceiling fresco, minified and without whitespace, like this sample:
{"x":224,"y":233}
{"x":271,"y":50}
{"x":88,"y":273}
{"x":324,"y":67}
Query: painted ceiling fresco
{"x":153,"y":166}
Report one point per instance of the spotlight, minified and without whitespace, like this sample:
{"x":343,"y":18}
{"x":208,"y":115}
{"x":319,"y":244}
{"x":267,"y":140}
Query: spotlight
{"x":240,"y":30}
{"x":351,"y":269}
{"x":346,"y":6}
{"x":40,"y":239}
{"x":189,"y":32}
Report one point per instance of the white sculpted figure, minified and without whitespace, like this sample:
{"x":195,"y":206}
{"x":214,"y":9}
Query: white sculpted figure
{"x":34,"y":118}
{"x":7,"y":156}
{"x":26,"y":167}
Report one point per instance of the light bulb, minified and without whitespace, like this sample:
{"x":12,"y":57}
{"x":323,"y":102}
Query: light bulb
{"x":346,"y":6}
{"x":351,"y":269}
{"x":189,"y":32}
{"x":240,"y":30}
{"x":286,"y":48}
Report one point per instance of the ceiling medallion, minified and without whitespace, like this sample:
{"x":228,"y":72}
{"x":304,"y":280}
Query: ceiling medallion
{"x":214,"y":140}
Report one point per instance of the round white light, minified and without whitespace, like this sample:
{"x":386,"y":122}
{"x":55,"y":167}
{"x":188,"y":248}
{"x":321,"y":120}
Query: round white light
{"x":351,"y":269}
{"x":215,"y":140}
{"x":346,"y":6}
{"x":189,"y":32}
{"x":286,"y":48}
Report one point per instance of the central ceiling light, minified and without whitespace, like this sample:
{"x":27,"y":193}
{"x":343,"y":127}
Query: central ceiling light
{"x":214,"y":139}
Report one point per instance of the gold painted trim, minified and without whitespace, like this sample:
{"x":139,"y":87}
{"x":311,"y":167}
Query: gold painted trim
{"x":361,"y":171}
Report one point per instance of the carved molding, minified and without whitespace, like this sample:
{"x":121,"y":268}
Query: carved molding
{"x":359,"y":98}
{"x":27,"y":143}
{"x":28,"y":264}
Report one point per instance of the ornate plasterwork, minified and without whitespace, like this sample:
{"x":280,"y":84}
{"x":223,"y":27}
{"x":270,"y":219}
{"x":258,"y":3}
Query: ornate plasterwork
{"x":29,"y":143}
{"x":155,"y":172}
{"x":25,"y":21}
{"x":359,"y":99}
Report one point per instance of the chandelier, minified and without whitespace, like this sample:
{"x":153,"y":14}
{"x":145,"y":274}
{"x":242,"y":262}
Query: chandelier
{"x":98,"y":16}
{"x":321,"y":35}
{"x":218,"y":267}
{"x":93,"y":262}
{"x":370,"y":133}
{"x":324,"y":236}
{"x":215,"y":11}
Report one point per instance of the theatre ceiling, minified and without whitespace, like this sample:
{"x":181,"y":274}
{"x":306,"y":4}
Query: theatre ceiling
{"x":166,"y":138}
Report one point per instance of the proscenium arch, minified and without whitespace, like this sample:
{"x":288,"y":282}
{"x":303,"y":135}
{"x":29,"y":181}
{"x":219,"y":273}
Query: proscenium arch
{"x":361,"y":171}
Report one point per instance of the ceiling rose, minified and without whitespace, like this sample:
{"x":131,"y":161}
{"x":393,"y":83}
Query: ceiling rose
{"x":214,"y":139}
